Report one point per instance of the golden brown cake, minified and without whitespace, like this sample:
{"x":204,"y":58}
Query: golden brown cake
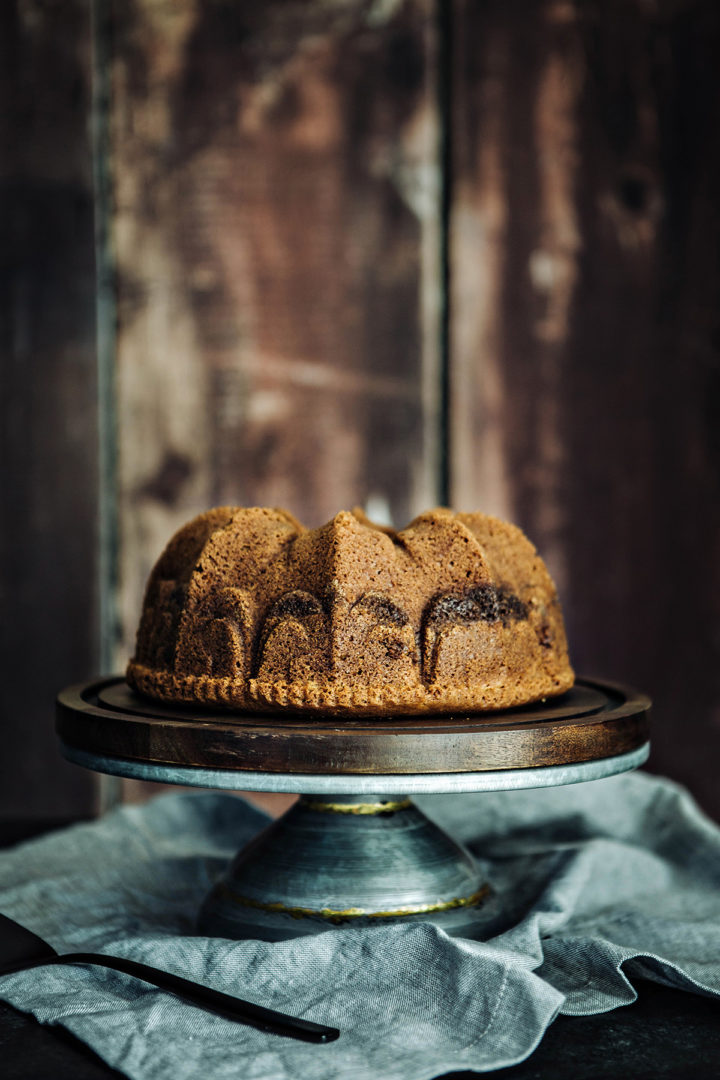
{"x":246,"y":608}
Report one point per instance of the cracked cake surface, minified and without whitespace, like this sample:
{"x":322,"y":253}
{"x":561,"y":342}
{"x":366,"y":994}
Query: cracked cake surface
{"x":247,"y":609}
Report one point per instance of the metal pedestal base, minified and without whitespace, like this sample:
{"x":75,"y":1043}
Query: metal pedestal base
{"x":345,"y":861}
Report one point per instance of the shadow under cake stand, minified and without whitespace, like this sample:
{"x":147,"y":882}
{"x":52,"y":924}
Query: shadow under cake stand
{"x":354,"y":850}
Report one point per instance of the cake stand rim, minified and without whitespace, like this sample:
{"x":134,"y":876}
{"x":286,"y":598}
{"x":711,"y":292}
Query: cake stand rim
{"x":538,"y":776}
{"x":613,"y":747}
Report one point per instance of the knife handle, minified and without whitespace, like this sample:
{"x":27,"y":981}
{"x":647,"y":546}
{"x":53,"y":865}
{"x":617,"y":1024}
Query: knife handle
{"x":215,"y":1001}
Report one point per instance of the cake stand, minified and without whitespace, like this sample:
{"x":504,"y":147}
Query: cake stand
{"x":354,"y":850}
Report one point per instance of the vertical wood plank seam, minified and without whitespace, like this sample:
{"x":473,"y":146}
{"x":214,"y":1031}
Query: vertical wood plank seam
{"x":444,"y":23}
{"x":109,"y":788}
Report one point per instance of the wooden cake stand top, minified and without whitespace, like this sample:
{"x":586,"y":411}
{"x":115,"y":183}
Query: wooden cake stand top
{"x":596,"y":729}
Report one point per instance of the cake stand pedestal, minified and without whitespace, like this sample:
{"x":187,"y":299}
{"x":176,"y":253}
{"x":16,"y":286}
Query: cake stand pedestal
{"x":354,"y":850}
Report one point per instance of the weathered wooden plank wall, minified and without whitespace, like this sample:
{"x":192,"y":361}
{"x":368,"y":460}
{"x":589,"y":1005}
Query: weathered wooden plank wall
{"x":48,"y":418}
{"x":277,"y":232}
{"x":278,"y":199}
{"x":586,"y":330}
{"x":276,"y":224}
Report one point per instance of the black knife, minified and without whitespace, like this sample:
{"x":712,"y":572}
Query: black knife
{"x":21,"y":949}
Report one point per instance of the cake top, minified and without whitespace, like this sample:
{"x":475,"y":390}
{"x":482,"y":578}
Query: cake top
{"x":248,"y":608}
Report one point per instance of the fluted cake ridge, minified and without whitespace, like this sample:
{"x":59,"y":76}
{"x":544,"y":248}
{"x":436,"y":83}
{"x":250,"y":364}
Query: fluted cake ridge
{"x":248,"y":609}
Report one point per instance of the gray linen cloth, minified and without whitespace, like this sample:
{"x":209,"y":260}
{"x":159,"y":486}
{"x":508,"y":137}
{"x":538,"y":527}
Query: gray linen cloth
{"x":594,"y":884}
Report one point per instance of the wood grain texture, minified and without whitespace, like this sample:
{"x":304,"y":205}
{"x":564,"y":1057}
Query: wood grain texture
{"x":276,"y":214}
{"x":586,"y":330}
{"x":586,"y":724}
{"x":276,"y":227}
{"x":48,"y":430}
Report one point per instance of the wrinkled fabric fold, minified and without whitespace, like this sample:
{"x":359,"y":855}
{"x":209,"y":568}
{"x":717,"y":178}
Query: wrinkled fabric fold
{"x":593,"y":885}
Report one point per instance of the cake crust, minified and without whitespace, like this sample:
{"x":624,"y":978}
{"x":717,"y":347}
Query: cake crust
{"x":247,"y":609}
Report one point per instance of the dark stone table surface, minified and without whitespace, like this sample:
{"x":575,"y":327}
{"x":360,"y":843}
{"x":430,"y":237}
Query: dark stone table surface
{"x":665,"y":1035}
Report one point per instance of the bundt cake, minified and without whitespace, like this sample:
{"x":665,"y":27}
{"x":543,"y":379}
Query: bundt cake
{"x":246,"y":608}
